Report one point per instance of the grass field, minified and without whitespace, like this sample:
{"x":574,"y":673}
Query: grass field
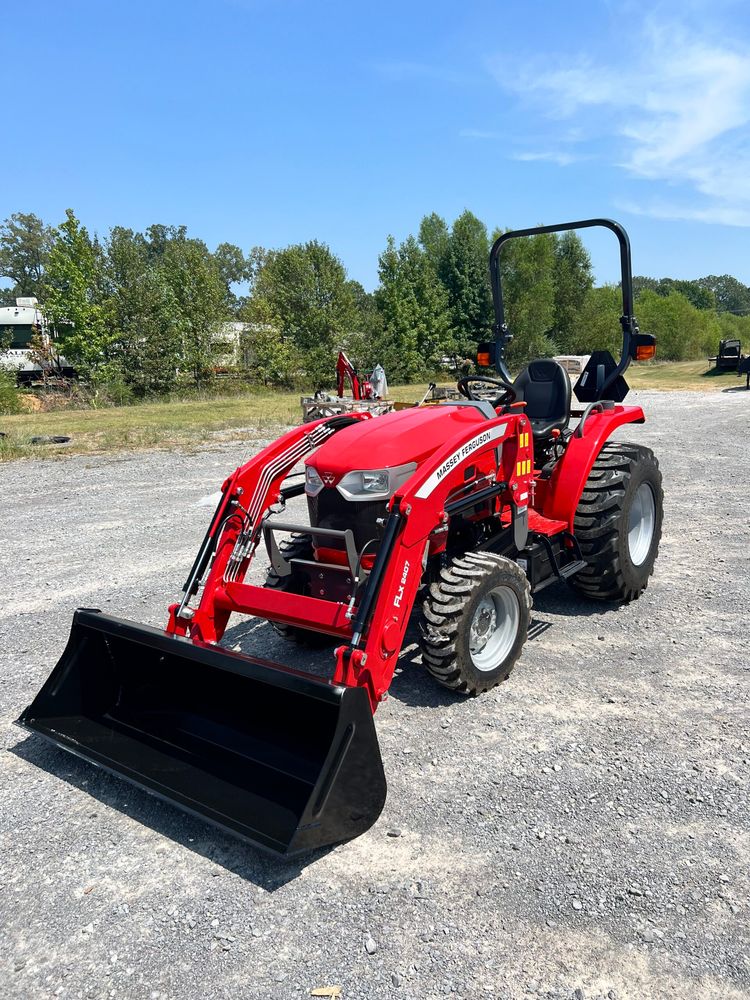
{"x":148,"y":425}
{"x":193,"y":422}
{"x":696,"y":375}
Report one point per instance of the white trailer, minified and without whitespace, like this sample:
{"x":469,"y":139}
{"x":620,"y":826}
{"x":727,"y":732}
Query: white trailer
{"x":21,"y":323}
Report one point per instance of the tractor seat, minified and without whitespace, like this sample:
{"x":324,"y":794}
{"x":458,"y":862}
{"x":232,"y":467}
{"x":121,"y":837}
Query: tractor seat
{"x":545,"y":388}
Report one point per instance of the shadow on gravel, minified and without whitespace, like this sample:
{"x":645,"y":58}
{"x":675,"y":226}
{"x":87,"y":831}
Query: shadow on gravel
{"x":264,"y":870}
{"x":258,"y":638}
{"x":413,"y":686}
{"x":411,"y":683}
{"x":560,"y":599}
{"x":735,"y":388}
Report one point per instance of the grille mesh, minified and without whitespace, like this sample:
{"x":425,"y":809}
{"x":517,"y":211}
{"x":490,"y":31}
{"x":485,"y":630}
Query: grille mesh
{"x":330,"y":510}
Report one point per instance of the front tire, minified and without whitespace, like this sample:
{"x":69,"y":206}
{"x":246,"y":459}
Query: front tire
{"x":618,"y":523}
{"x":476,"y":620}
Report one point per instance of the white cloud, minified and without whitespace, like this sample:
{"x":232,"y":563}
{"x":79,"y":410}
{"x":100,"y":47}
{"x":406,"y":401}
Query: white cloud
{"x":678,"y":114}
{"x":561,"y":159}
{"x":478,"y":133}
{"x":719,"y":214}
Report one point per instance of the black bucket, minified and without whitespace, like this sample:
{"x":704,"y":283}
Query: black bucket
{"x":275,"y":756}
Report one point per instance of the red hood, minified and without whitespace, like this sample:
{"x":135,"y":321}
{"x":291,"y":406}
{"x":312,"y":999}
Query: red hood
{"x":394,"y":439}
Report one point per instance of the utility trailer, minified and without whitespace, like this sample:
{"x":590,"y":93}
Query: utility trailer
{"x":458,"y":512}
{"x":729,"y":356}
{"x":368,"y":394}
{"x":324,"y":405}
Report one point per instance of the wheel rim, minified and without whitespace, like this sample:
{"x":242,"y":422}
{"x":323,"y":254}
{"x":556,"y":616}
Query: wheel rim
{"x":494,"y":627}
{"x":641,"y":523}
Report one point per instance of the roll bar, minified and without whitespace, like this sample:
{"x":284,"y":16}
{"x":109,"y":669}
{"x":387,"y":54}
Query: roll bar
{"x":630,"y":332}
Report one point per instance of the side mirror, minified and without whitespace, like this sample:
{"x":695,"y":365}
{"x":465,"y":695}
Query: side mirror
{"x":643,"y":347}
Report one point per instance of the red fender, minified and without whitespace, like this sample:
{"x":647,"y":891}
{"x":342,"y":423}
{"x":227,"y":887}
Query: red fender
{"x":565,"y":486}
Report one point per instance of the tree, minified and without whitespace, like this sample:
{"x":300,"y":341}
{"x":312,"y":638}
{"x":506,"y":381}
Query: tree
{"x":364,"y":343}
{"x":434,"y":238}
{"x":701,"y":296}
{"x":72,"y":300}
{"x":10,"y":398}
{"x":641,"y":283}
{"x":269,"y":358}
{"x":697,"y":294}
{"x":303,"y":292}
{"x":414,"y":307}
{"x":465,"y":276}
{"x":234,"y":270}
{"x":599,"y":327}
{"x":682,"y":331}
{"x":573,"y":280}
{"x":158,"y":237}
{"x":144,"y":316}
{"x":25,"y":245}
{"x":198,"y":298}
{"x":733,"y":327}
{"x":731,"y":295}
{"x":528,"y":275}
{"x":168,"y":300}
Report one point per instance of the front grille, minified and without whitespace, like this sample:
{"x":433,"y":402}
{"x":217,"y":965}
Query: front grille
{"x":330,"y":510}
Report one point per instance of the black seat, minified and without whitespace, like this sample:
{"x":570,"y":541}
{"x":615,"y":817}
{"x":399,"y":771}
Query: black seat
{"x":545,"y":387}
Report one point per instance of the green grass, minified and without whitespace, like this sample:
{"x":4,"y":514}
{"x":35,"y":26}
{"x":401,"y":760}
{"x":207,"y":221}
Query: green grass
{"x":192,"y":423}
{"x":696,"y":375}
{"x":148,"y":425}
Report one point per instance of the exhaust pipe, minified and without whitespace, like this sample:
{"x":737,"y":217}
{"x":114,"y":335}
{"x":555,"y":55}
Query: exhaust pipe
{"x":283,"y":760}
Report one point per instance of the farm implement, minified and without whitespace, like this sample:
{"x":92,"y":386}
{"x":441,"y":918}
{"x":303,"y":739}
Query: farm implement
{"x":464,"y":509}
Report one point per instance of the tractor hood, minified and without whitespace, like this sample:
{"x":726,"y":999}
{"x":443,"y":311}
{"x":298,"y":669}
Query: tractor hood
{"x":392,"y":440}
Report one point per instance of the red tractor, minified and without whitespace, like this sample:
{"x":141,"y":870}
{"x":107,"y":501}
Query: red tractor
{"x":465,"y":508}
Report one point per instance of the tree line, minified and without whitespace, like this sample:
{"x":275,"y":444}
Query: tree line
{"x":148,"y":312}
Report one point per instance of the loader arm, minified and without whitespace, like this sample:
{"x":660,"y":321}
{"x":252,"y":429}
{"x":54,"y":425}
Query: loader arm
{"x":419,"y":513}
{"x":235,"y":529}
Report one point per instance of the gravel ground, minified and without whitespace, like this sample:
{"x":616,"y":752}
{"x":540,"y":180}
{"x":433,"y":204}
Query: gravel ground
{"x":581,"y":832}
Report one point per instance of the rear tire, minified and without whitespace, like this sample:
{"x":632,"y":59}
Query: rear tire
{"x":296,"y":547}
{"x":476,"y":620}
{"x":618,"y":523}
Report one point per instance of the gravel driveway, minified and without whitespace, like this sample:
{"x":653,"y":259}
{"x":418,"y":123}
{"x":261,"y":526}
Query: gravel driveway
{"x":580,"y":832}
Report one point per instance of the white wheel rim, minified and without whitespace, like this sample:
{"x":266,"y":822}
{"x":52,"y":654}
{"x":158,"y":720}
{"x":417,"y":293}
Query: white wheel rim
{"x":641,"y":522}
{"x":494,"y":627}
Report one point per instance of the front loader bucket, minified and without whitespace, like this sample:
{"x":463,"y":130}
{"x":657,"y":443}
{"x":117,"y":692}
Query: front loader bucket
{"x":282,"y":759}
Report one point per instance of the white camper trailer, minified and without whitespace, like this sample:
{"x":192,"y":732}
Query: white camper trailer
{"x":21,"y":323}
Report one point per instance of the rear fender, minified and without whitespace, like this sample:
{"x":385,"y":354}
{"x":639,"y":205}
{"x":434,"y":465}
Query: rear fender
{"x":566,"y":484}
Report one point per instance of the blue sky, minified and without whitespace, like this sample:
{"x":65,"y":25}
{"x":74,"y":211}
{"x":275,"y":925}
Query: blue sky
{"x":274,"y":121}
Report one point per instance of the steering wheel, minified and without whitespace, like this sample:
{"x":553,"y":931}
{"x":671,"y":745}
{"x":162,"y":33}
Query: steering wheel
{"x":464,"y":386}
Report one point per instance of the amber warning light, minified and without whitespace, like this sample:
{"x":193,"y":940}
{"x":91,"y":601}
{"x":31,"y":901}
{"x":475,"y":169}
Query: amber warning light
{"x":485,"y":355}
{"x":644,"y":347}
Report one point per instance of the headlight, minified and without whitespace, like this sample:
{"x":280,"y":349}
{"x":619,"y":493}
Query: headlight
{"x":313,"y":482}
{"x":374,"y":484}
